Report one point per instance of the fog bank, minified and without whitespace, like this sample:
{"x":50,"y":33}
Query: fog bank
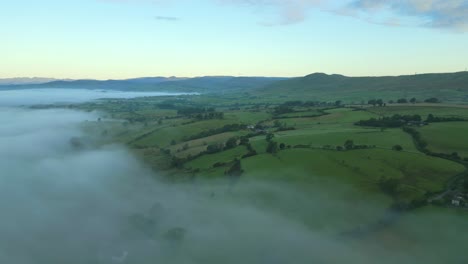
{"x":64,"y":200}
{"x":55,"y":95}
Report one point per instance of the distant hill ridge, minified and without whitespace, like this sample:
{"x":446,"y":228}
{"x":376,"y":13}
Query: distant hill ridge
{"x":336,"y":82}
{"x":170,"y":84}
{"x":316,"y":83}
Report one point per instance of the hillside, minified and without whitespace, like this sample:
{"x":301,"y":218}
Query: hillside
{"x":449,"y":86}
{"x":207,"y":84}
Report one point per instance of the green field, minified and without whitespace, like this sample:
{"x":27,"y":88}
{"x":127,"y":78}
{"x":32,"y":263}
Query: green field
{"x":422,"y":109}
{"x":447,"y":137}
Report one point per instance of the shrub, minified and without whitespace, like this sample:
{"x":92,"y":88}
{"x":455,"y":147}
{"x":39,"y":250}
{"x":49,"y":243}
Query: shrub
{"x":397,"y":148}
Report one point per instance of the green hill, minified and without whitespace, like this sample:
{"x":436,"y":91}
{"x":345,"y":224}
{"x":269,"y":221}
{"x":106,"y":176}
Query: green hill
{"x":446,"y":86}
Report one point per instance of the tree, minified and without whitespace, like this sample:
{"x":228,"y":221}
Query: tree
{"x":391,"y":102}
{"x":389,"y":186}
{"x":412,"y":100}
{"x":213,"y":148}
{"x":397,"y":148}
{"x":430,"y":118}
{"x":455,"y":155}
{"x":432,"y":100}
{"x":349,"y":144}
{"x":372,"y":102}
{"x":338,"y":103}
{"x":465,"y":185}
{"x":379,"y":102}
{"x":277,"y":123}
{"x":269,"y":137}
{"x":244,"y":141}
{"x":402,"y":101}
{"x":282,"y":146}
{"x":231,"y":143}
{"x":272,"y":147}
{"x":173,"y":142}
{"x":236,"y":169}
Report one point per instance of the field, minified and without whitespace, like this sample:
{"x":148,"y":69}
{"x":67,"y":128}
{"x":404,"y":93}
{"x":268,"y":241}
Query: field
{"x":447,"y":137}
{"x":312,"y":151}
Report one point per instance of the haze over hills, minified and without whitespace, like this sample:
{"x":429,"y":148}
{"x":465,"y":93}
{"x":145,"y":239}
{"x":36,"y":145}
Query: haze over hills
{"x":320,"y":86}
{"x":206,"y":84}
{"x":28,"y":80}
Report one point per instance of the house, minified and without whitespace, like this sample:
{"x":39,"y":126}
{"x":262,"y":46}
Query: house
{"x":457,"y":200}
{"x":416,"y":123}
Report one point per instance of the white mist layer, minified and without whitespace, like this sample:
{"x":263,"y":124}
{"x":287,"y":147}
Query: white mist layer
{"x":62,"y":202}
{"x":49,"y":96}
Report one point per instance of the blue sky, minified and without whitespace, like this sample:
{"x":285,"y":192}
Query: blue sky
{"x":116,"y":39}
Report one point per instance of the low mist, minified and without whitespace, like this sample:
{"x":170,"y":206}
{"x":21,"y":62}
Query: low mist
{"x":69,"y":202}
{"x":56,"y":95}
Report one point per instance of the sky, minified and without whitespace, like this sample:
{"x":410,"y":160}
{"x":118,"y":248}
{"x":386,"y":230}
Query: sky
{"x":118,"y":39}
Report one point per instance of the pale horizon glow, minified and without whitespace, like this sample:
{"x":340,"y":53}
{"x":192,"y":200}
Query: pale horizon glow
{"x":121,"y":39}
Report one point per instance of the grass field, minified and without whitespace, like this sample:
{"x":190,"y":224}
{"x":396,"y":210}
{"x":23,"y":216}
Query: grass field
{"x":315,"y":164}
{"x":361,"y":168}
{"x":423,"y":110}
{"x":447,"y":137}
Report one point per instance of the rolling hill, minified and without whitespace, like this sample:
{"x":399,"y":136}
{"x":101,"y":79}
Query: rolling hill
{"x":447,"y":86}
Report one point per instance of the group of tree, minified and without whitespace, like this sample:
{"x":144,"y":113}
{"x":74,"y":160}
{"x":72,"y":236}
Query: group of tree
{"x":235,"y":170}
{"x":349,"y":145}
{"x":299,"y":103}
{"x":389,"y":186}
{"x":282,"y":126}
{"x":244,"y":141}
{"x":375,"y":102}
{"x":200,"y":113}
{"x":187,"y":111}
{"x":434,"y":119}
{"x":289,"y":106}
{"x":414,"y":100}
{"x":215,"y":131}
{"x":390,"y":121}
{"x":433,"y":100}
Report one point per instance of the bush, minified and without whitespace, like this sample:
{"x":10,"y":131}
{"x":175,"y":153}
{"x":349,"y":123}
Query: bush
{"x":272,"y":147}
{"x":249,"y":154}
{"x":389,"y":185}
{"x":432,"y":100}
{"x":219,"y":164}
{"x":214,"y":148}
{"x":397,"y":148}
{"x":231,"y":143}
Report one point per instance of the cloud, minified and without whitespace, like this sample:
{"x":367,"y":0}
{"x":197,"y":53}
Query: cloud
{"x":167,"y":18}
{"x":447,"y":14}
{"x":290,"y":11}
